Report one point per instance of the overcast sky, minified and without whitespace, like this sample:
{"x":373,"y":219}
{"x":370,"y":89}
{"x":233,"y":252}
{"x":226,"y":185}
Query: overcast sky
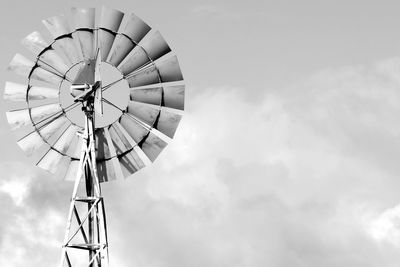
{"x":288,"y":153}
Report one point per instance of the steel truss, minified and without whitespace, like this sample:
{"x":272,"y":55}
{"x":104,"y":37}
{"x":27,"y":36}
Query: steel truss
{"x":90,"y":231}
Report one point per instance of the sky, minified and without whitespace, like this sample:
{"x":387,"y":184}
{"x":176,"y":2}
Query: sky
{"x":287,"y":154}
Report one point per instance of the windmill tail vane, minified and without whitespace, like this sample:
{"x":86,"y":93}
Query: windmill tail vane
{"x":105,"y":140}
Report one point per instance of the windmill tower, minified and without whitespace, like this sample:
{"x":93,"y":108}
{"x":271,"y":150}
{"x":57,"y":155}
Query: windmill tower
{"x":66,"y":118}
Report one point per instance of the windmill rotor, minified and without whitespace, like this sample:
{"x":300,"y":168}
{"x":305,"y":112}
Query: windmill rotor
{"x":71,"y":122}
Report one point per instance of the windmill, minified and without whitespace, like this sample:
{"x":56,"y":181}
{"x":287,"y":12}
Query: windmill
{"x":65,"y":118}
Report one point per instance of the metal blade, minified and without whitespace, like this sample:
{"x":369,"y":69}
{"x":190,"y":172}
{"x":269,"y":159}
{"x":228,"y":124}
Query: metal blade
{"x":135,"y":28}
{"x":86,"y":42}
{"x":168,"y":122}
{"x":119,"y":139}
{"x":35,"y":43}
{"x":31,"y":143}
{"x":57,"y":26}
{"x":169,"y":70}
{"x":21,"y":65}
{"x":145,"y":76}
{"x":110,"y":19}
{"x":106,"y":40}
{"x":24,"y":117}
{"x":50,"y":161}
{"x":164,"y":71}
{"x":174,"y":96}
{"x":67,"y":46}
{"x":144,"y":112}
{"x":131,"y":162}
{"x":102,"y":146}
{"x":27,"y":68}
{"x":35,"y":140}
{"x":152,"y":146}
{"x":72,"y":170}
{"x":51,"y":61}
{"x":17,"y":92}
{"x":134,"y":60}
{"x":115,"y":163}
{"x":133,"y":128}
{"x":65,"y":141}
{"x":106,"y":170}
{"x":52,"y":128}
{"x":155,"y":46}
{"x":121,"y":47}
{"x":83,"y":18}
{"x":98,"y":103}
{"x":43,"y":75}
{"x":149,"y":95}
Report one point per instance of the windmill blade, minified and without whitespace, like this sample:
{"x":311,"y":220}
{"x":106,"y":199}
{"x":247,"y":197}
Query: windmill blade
{"x":52,"y":159}
{"x":110,"y":21}
{"x":165,"y":71}
{"x":65,"y":141}
{"x":18,"y":92}
{"x":168,"y":96}
{"x":84,"y":19}
{"x":155,"y":46}
{"x":152,"y":146}
{"x":60,"y":30}
{"x":119,"y":139}
{"x":121,"y":47}
{"x":102,"y":145}
{"x":106,"y":170}
{"x":174,"y":96}
{"x":21,"y":65}
{"x":24,"y":117}
{"x":66,"y":46}
{"x":27,"y":68}
{"x":35,"y":140}
{"x":57,"y":26}
{"x":72,"y":170}
{"x":168,"y":122}
{"x":146,"y":76}
{"x":136,"y":130}
{"x":35,"y":43}
{"x":108,"y":166}
{"x":136,"y":59}
{"x":53,"y":127}
{"x":133,"y":30}
{"x":31,"y":143}
{"x":169,"y":70}
{"x":131,"y":163}
{"x":143,"y":112}
{"x":150,"y":49}
{"x":149,"y":95}
{"x":164,"y":121}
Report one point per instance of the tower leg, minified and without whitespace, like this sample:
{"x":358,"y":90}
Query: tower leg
{"x":86,"y":225}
